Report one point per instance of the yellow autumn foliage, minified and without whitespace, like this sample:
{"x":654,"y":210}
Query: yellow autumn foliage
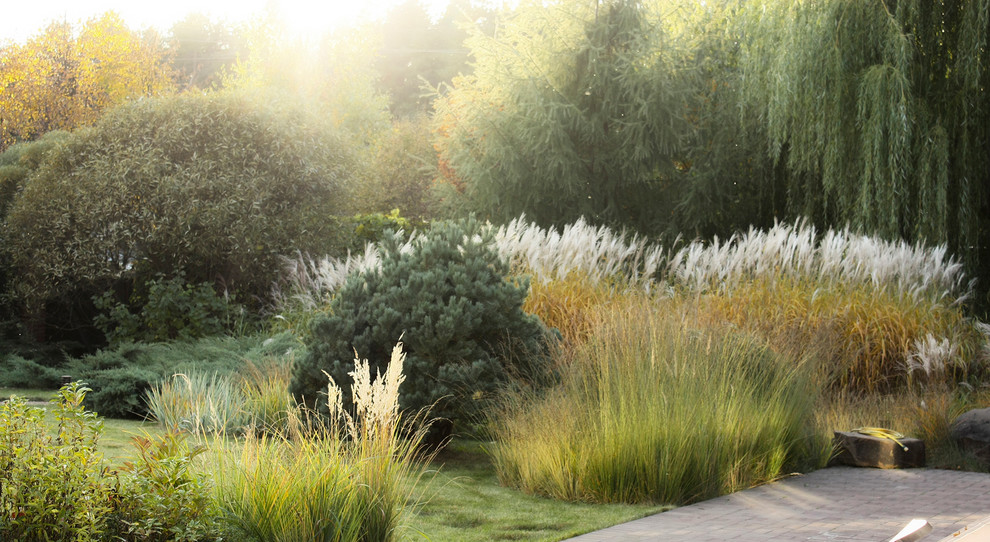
{"x":60,"y":79}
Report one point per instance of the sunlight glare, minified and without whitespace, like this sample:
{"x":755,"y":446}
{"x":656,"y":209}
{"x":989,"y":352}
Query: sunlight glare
{"x":303,"y":18}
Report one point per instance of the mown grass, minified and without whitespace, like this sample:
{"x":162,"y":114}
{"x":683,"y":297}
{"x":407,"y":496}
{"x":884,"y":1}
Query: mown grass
{"x":31,"y":394}
{"x":465,"y":502}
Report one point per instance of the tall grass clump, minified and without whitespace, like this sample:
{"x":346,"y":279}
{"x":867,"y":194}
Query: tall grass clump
{"x":198,"y":402}
{"x":650,"y":410}
{"x":254,"y":399}
{"x":577,"y":270}
{"x":893,"y":312}
{"x":340,"y":481}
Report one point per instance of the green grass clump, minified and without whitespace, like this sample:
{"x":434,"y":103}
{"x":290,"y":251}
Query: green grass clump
{"x":198,"y":402}
{"x":349,"y":479}
{"x":651,"y":411}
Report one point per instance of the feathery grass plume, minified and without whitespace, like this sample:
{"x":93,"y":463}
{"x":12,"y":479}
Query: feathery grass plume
{"x":577,"y":270}
{"x":931,"y":356}
{"x":874,"y":299}
{"x":655,"y":409}
{"x":338,"y":481}
{"x":306,"y":285}
{"x":597,"y":253}
{"x":837,"y":258}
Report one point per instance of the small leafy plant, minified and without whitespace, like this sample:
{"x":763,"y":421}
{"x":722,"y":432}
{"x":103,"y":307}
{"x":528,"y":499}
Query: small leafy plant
{"x":162,"y":498}
{"x":53,"y":486}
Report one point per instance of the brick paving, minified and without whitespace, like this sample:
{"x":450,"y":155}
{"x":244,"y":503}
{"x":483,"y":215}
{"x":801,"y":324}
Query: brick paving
{"x":834,"y":504}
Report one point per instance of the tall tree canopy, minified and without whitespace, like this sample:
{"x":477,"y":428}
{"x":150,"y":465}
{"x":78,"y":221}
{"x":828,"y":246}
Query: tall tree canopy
{"x":574,"y":109}
{"x":61,"y":79}
{"x":335,"y":75}
{"x":879,"y":111}
{"x":203,"y":49}
{"x":418,"y":51}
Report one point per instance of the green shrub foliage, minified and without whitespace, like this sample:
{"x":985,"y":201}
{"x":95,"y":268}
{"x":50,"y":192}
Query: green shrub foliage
{"x":171,"y":309}
{"x":446,"y":295}
{"x":216,"y":186}
{"x":161,"y":498}
{"x":54,"y":485}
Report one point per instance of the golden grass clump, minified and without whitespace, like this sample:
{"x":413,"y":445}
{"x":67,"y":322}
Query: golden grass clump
{"x":653,"y":408}
{"x":571,"y":304}
{"x":876,"y":338}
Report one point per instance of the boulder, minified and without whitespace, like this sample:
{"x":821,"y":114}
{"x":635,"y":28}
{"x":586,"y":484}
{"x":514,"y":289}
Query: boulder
{"x":971,"y":431}
{"x":859,"y":450}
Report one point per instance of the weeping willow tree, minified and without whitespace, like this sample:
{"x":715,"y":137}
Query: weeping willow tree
{"x":572,"y":111}
{"x":878,"y":110}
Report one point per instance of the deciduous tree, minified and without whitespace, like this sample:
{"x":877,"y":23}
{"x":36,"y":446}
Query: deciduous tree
{"x":878,"y":109}
{"x":61,"y":79}
{"x":574,"y":109}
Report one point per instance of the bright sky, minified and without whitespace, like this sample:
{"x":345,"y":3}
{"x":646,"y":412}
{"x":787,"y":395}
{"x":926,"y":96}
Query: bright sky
{"x":23,"y":18}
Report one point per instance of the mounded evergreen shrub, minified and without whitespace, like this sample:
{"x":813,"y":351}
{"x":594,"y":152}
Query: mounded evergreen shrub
{"x":447,"y":295}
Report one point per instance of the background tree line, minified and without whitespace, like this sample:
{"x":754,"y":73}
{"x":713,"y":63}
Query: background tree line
{"x":667,"y":117}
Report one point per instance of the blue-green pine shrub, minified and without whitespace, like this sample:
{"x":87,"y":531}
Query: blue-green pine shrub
{"x":448,"y":295}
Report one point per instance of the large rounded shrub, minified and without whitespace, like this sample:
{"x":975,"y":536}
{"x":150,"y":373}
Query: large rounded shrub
{"x":216,"y":186}
{"x":447,"y":296}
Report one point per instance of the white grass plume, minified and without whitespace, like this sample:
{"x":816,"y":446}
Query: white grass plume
{"x":376,"y":401}
{"x":932,"y":356}
{"x":834,"y":258}
{"x":597,"y":252}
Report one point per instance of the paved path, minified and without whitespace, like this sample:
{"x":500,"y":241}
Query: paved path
{"x":835,"y":504}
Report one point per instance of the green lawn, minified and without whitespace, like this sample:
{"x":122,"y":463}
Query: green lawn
{"x":464,"y":502}
{"x":28,"y":393}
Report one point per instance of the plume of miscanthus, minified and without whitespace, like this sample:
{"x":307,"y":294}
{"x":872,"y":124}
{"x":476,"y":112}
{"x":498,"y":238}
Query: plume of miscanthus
{"x":376,"y":401}
{"x":309,"y":283}
{"x":595,"y":252}
{"x":838,"y":257}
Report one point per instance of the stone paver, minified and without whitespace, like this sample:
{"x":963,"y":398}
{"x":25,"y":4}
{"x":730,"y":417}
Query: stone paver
{"x":835,"y":504}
